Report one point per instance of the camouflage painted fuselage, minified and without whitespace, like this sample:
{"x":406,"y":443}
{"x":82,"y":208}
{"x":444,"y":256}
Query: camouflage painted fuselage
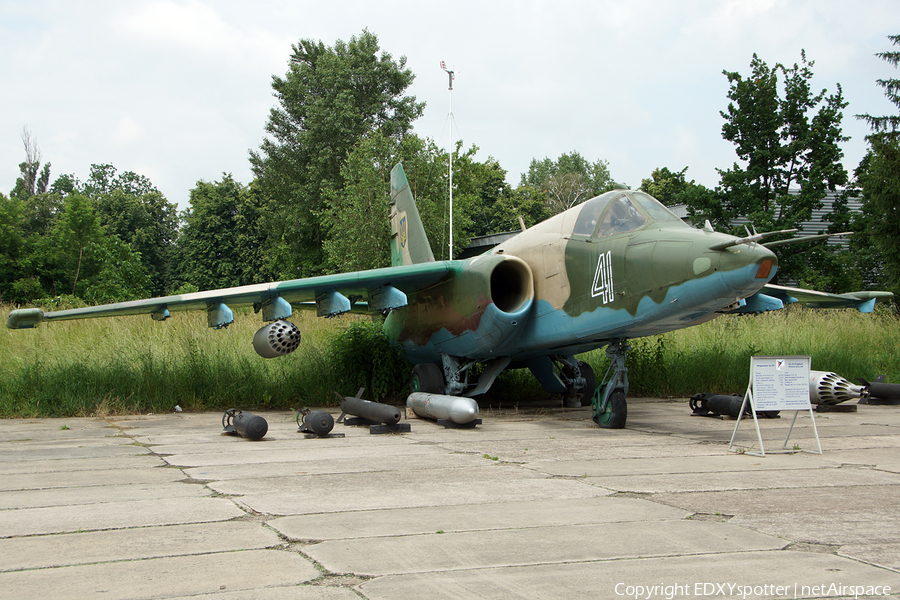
{"x":618,"y":266}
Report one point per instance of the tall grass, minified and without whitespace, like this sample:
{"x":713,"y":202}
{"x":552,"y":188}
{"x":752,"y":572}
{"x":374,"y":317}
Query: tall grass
{"x":715,"y":356}
{"x":134,"y":364}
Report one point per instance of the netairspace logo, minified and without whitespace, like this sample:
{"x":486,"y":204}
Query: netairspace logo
{"x":745,"y":592}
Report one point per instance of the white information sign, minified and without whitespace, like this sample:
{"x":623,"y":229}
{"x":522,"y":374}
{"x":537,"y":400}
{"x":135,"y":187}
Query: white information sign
{"x":780,"y":382}
{"x":777,"y":383}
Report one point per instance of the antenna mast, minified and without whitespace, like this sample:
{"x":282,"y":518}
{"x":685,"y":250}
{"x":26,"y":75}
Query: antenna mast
{"x":450,"y":154}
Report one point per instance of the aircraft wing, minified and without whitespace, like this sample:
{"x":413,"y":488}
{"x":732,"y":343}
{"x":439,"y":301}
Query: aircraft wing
{"x":382,"y":289}
{"x":774,"y":297}
{"x":862,"y":301}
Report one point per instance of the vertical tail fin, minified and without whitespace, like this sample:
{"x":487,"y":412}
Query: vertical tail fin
{"x":409,"y":244}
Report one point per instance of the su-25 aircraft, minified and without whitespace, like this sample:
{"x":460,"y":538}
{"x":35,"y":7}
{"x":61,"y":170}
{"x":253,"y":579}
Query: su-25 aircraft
{"x":617,"y":267}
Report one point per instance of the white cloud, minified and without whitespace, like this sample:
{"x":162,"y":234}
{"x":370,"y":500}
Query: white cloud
{"x":194,"y":26}
{"x":184,"y":85}
{"x":190,"y":24}
{"x":127,"y":131}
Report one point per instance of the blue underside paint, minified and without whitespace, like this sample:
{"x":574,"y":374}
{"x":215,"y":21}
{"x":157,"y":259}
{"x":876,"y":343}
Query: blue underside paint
{"x":758,"y":303}
{"x":550,"y":331}
{"x":497,"y":334}
{"x":866,"y":307}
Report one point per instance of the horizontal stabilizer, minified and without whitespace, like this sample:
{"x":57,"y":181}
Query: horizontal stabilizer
{"x":862,"y":301}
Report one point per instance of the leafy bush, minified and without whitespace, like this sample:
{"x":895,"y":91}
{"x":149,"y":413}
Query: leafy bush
{"x":363,"y":357}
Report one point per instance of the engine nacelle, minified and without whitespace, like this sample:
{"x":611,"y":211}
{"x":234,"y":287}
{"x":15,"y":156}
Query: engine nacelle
{"x":276,"y":339}
{"x":476,"y":314}
{"x":509,"y":284}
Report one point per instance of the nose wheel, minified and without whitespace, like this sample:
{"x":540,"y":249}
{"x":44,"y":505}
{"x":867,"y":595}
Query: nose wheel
{"x":614,"y":413}
{"x":608,"y":407}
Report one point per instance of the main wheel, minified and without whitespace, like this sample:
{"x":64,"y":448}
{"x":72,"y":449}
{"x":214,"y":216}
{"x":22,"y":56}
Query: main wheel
{"x":427,"y":377}
{"x":616,"y":411}
{"x":590,"y":383}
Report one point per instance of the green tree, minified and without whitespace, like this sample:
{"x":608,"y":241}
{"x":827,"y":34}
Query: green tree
{"x":105,"y":179}
{"x":481,"y":187}
{"x":861,"y":266}
{"x":878,"y":175}
{"x":887,"y":126}
{"x":39,"y":213}
{"x":673,"y":188}
{"x":328,"y":100}
{"x":428,"y":172}
{"x":879,"y":178}
{"x":33,"y":178}
{"x":788,"y":139}
{"x":11,"y":244}
{"x":524,"y":201}
{"x":356,"y":217}
{"x":77,"y":227}
{"x":33,"y":259}
{"x":35,"y":211}
{"x":569,"y":180}
{"x":28,"y":258}
{"x":148,"y":224}
{"x":53,"y":239}
{"x":121,"y":274}
{"x":131,"y":208}
{"x":220,"y":243}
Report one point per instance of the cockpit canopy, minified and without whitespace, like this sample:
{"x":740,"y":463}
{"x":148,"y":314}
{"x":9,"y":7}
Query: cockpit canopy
{"x":621,"y":211}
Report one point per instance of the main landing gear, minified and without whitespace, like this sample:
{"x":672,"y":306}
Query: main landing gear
{"x":579,"y":379}
{"x":427,"y":377}
{"x":608,"y":407}
{"x":573,"y":378}
{"x":453,"y":379}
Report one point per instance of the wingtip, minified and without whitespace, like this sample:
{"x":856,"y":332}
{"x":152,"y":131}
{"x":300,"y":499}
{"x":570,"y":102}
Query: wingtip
{"x":24,"y":318}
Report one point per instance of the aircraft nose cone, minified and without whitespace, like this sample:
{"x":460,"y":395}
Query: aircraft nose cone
{"x":747,"y":268}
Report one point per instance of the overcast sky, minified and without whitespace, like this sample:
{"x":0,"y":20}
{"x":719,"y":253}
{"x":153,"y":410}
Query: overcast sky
{"x":179,"y":91}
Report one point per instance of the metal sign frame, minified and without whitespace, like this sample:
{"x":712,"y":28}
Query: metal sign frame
{"x":777,"y":383}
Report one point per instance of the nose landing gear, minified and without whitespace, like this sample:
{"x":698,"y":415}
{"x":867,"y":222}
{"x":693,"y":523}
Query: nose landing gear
{"x":608,"y":407}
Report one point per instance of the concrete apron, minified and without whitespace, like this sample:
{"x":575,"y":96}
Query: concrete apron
{"x":538,"y":504}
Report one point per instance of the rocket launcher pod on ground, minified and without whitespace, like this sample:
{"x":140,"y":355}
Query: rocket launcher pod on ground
{"x":826,"y":387}
{"x":248,"y":425}
{"x":456,"y":409}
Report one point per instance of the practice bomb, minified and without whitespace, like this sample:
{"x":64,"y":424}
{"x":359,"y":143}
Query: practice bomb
{"x":248,"y":425}
{"x":708,"y":405}
{"x":879,"y":392}
{"x":318,"y":422}
{"x":374,"y":412}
